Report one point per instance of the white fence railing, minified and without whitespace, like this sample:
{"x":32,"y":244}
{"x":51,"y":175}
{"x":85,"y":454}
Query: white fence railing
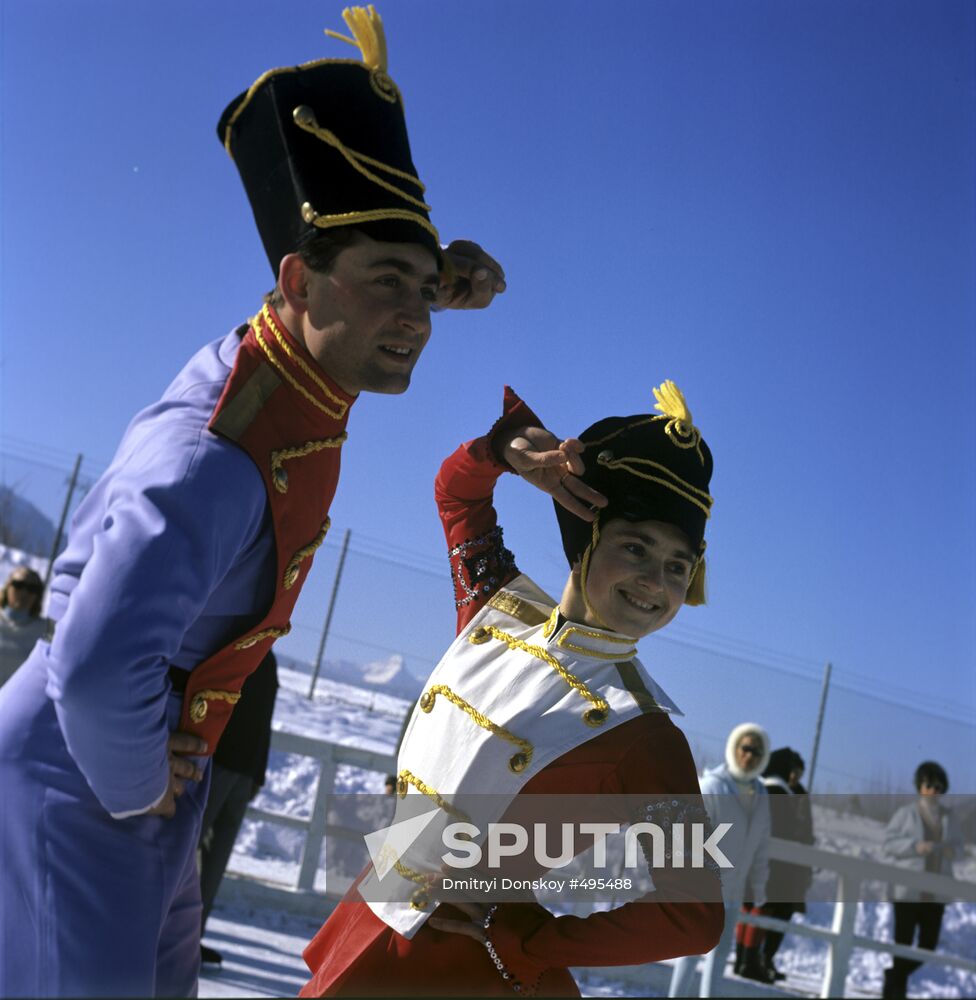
{"x":851,"y":871}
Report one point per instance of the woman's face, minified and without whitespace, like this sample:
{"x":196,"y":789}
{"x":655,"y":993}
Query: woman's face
{"x":638,"y":575}
{"x":749,"y":751}
{"x":22,"y":591}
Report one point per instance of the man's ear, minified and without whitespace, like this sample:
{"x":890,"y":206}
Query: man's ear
{"x":293,"y":282}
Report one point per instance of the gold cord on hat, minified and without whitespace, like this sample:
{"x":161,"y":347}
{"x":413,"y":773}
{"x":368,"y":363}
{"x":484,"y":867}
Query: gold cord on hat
{"x":304,"y":118}
{"x":676,"y":484}
{"x":584,"y":569}
{"x":680,"y":427}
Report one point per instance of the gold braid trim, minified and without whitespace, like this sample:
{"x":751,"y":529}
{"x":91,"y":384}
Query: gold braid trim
{"x":198,"y":706}
{"x":292,"y":569}
{"x":684,"y":490}
{"x":519,"y":762}
{"x":341,"y":405}
{"x":278,"y":475}
{"x":585,"y":569}
{"x":372,"y":215}
{"x":405,"y":778}
{"x":268,"y":633}
{"x":304,"y":118}
{"x":595,"y":716}
{"x":618,"y":431}
{"x":564,"y":643}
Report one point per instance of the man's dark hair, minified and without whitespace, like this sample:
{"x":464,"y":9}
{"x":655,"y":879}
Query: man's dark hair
{"x":930,"y":773}
{"x":318,"y":248}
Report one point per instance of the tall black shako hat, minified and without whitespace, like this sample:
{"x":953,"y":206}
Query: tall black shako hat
{"x":325,"y":144}
{"x":650,"y":468}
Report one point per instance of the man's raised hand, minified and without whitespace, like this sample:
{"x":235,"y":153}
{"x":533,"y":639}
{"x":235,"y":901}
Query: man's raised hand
{"x":470,"y":278}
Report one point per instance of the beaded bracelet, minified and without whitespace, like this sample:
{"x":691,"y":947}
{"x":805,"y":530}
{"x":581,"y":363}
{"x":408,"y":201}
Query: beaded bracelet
{"x":493,"y":955}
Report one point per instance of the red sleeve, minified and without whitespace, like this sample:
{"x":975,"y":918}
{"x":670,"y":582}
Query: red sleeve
{"x":464,"y":487}
{"x":682,"y":916}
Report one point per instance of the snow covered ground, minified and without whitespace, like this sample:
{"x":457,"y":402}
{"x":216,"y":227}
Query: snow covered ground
{"x":262,"y":946}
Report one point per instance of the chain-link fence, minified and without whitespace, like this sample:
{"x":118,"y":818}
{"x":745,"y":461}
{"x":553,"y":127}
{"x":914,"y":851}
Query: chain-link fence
{"x":394,"y":616}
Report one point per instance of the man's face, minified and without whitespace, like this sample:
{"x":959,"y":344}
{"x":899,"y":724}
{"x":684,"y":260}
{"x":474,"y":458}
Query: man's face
{"x":368,"y":318}
{"x":749,"y":751}
{"x":638,"y":575}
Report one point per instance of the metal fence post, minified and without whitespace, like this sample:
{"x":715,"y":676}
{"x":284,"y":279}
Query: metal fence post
{"x":820,"y":718}
{"x":328,"y":615}
{"x":72,"y":483}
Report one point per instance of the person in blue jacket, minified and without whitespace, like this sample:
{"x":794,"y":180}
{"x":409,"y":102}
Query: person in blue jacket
{"x":185,"y":560}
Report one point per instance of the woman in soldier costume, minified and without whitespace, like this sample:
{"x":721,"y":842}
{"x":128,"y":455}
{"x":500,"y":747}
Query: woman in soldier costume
{"x":539,"y":697}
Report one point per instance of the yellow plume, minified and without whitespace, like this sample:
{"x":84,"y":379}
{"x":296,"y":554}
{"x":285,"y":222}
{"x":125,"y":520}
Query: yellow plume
{"x":367,"y":29}
{"x":671,"y":403}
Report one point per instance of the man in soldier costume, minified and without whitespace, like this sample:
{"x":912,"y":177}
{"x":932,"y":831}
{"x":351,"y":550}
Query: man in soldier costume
{"x":186,"y":559}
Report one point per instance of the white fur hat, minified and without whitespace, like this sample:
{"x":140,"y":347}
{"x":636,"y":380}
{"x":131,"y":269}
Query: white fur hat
{"x":732,"y":742}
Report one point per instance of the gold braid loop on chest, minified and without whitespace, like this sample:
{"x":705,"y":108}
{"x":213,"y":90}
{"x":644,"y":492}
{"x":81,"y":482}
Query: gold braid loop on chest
{"x":406,"y":778}
{"x":280,"y":477}
{"x":594,"y":716}
{"x":268,"y":633}
{"x":199,"y":706}
{"x":518,"y":762}
{"x":294,"y":565}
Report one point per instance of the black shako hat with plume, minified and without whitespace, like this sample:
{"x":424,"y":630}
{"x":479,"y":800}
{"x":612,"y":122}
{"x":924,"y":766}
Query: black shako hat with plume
{"x":324,"y":144}
{"x":650,"y":467}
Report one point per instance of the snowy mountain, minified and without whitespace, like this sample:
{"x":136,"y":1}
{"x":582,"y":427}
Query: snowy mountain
{"x":22,"y":525}
{"x":390,"y":676}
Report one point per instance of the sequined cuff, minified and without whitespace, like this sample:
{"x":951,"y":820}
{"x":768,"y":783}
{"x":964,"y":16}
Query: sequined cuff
{"x":479,"y":566}
{"x":493,"y":955}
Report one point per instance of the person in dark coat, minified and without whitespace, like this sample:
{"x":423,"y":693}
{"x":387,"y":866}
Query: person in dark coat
{"x":239,"y":767}
{"x":788,"y":883}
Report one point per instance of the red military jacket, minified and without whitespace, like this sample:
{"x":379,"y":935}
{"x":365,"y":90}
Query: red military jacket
{"x":291,"y":420}
{"x":356,"y":954}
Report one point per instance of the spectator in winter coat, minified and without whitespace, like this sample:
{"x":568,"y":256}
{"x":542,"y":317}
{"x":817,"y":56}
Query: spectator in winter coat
{"x":21,"y":624}
{"x":735,"y":794}
{"x":922,"y":836}
{"x":788,"y":883}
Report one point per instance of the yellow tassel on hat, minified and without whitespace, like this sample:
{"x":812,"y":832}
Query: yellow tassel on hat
{"x":367,"y":29}
{"x":671,"y":402}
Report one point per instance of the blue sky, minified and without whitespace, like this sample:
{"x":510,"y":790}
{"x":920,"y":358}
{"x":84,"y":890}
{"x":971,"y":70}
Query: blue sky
{"x":771,"y":203}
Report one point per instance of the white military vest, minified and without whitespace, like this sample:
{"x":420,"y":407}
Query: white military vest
{"x":514,"y":692}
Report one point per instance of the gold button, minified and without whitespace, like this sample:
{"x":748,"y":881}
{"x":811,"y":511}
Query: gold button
{"x":280,"y":479}
{"x":291,"y":577}
{"x":605,"y":456}
{"x":308,"y":213}
{"x":479,"y":635}
{"x":303,"y":115}
{"x":402,"y":787}
{"x":595,"y":717}
{"x":198,"y":708}
{"x":426,"y":701}
{"x":519,"y":762}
